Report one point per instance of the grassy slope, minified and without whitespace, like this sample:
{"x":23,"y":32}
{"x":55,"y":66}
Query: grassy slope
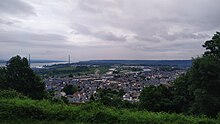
{"x":26,"y":111}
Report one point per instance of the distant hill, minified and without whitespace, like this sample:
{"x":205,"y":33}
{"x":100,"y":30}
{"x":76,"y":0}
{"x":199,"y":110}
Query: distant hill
{"x":179,"y":63}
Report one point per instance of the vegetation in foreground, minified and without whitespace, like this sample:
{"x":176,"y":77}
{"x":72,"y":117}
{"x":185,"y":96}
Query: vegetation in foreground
{"x":17,"y":108}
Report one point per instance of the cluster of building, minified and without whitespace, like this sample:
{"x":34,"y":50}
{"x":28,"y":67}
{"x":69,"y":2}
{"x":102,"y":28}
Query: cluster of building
{"x":131,"y":82}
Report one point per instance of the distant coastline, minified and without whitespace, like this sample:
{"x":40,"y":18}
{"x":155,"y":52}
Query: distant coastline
{"x":178,"y":63}
{"x":38,"y":63}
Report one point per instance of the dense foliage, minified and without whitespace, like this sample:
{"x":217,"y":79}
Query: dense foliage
{"x":70,"y":89}
{"x":19,"y":76}
{"x":156,"y":99}
{"x":213,"y":46}
{"x":9,"y":94}
{"x":205,"y":85}
{"x":114,"y":98}
{"x":2,"y":78}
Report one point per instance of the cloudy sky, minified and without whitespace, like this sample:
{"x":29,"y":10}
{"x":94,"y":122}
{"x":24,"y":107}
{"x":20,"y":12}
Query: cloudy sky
{"x":107,"y":29}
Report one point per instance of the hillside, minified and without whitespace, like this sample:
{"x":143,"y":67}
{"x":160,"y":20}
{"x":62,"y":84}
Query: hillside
{"x":178,"y":63}
{"x":31,"y":111}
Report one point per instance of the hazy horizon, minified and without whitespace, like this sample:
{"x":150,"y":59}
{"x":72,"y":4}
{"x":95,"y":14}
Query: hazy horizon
{"x":107,"y":29}
{"x":45,"y":59}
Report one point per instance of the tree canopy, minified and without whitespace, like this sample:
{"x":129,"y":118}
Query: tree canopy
{"x":70,"y":89}
{"x":204,"y":79}
{"x":2,"y":78}
{"x":213,"y":46}
{"x":20,"y":77}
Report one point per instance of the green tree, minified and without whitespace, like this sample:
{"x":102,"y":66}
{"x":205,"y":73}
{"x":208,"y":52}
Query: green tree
{"x":113,"y":98}
{"x":2,"y":78}
{"x":21,"y":78}
{"x":182,"y":97}
{"x":205,"y":85}
{"x":70,"y":89}
{"x":156,"y":98}
{"x":213,"y":46}
{"x":70,"y":75}
{"x":109,"y":97}
{"x":198,"y":91}
{"x":205,"y":78}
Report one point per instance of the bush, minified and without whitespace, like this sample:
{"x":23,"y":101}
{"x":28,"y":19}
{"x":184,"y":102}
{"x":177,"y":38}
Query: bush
{"x":8,"y":94}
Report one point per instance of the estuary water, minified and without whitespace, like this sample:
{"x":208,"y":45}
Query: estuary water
{"x":38,"y":65}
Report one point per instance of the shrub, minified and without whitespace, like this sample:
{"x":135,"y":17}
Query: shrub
{"x":8,"y":94}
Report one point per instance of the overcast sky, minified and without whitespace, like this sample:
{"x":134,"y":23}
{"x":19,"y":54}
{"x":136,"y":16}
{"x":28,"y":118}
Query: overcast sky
{"x":107,"y":29}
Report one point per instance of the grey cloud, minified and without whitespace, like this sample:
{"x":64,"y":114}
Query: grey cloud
{"x":183,"y":36}
{"x":146,"y":21}
{"x":31,"y":38}
{"x":6,"y":22}
{"x":16,"y":7}
{"x":98,"y":6}
{"x":87,"y":7}
{"x":109,"y":36}
{"x":155,"y":26}
{"x":104,"y":35}
{"x":147,"y":38}
{"x":81,"y":29}
{"x":191,"y":46}
{"x":202,"y":13}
